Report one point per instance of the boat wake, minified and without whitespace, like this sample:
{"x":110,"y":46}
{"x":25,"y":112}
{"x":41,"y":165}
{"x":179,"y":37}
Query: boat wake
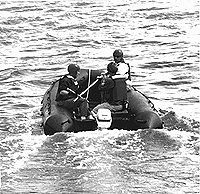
{"x":94,"y":159}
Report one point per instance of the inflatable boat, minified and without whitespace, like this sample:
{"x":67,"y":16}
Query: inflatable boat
{"x":138,"y":114}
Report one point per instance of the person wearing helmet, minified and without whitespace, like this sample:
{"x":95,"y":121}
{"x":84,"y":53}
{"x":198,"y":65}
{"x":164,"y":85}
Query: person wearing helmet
{"x":118,"y":56}
{"x":123,"y":68}
{"x":67,"y":92}
{"x":112,"y":69}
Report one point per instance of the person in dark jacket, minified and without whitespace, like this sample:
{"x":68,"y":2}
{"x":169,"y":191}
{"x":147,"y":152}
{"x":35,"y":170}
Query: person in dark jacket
{"x":67,"y":93}
{"x":113,"y":91}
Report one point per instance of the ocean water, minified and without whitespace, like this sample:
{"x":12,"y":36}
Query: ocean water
{"x":160,"y":41}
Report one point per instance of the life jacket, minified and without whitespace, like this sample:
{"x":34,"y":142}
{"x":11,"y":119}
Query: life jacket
{"x":124,"y":69}
{"x":129,"y":72}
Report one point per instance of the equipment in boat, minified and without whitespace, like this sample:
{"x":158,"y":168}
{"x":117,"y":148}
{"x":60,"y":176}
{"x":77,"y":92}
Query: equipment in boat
{"x":104,"y":118}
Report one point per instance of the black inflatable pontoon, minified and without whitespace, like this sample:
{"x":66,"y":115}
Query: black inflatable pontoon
{"x":140,"y":113}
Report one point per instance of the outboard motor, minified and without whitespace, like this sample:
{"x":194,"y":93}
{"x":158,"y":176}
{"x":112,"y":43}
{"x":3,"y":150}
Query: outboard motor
{"x":104,"y":118}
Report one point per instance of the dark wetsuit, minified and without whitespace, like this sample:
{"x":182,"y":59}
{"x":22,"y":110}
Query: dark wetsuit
{"x":67,"y":100}
{"x":114,"y":94}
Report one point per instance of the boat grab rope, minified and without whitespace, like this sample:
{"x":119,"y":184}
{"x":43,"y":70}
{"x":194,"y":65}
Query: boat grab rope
{"x":89,"y":76}
{"x":149,"y":101}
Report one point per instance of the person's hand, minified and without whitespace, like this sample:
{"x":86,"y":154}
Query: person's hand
{"x":64,"y":92}
{"x":100,"y":76}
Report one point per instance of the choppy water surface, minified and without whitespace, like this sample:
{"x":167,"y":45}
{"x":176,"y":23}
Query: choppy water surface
{"x":159,"y":40}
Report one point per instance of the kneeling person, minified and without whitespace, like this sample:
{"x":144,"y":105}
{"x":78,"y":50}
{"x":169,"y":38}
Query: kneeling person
{"x":113,"y":91}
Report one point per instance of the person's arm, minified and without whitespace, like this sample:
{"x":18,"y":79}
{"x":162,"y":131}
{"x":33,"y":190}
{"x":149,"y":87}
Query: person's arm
{"x":64,"y":86}
{"x":119,"y":76}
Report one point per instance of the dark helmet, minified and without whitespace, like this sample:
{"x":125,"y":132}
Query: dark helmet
{"x":118,"y":53}
{"x":112,"y":68}
{"x":73,"y":69}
